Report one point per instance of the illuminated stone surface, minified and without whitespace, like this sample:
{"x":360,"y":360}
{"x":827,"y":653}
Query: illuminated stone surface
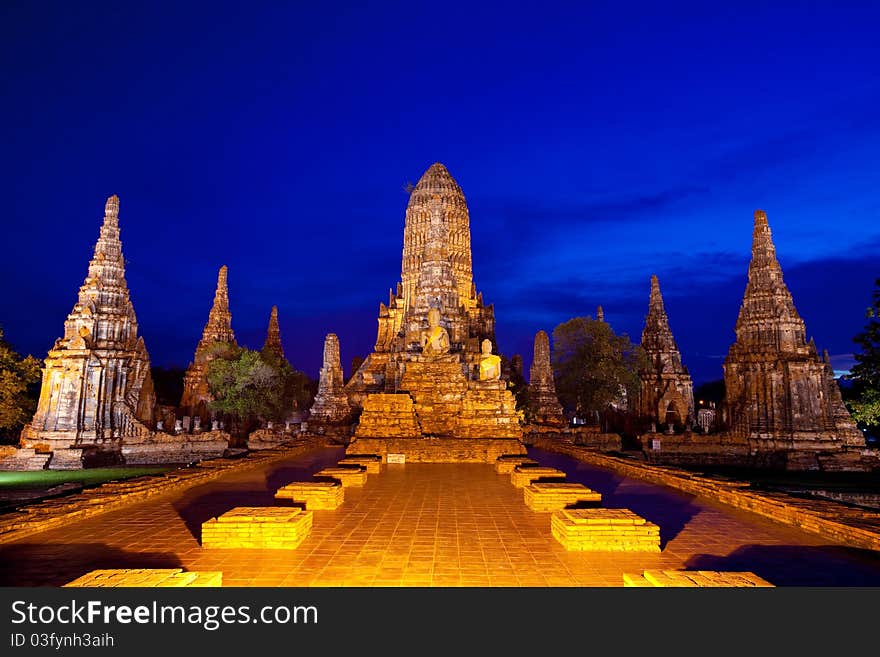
{"x":524,"y":475}
{"x":388,"y":416}
{"x":553,"y":496}
{"x":268,"y":528}
{"x":506,"y":463}
{"x":429,"y":525}
{"x":544,"y":406}
{"x":216,"y":335}
{"x":439,"y":450}
{"x":147,"y":577}
{"x":666,"y":393}
{"x":347,"y":476}
{"x":780,"y":394}
{"x":96,"y":388}
{"x":316,"y":495}
{"x":604,"y":530}
{"x":694,"y":579}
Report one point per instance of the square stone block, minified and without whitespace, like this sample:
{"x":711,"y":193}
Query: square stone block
{"x":694,"y":578}
{"x":147,"y":577}
{"x":347,"y":475}
{"x":282,"y":528}
{"x":372,"y":462}
{"x":552,"y":496}
{"x":525,"y":475}
{"x":506,"y":464}
{"x":316,"y":495}
{"x":600,"y":530}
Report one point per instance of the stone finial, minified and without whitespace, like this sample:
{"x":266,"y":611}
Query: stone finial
{"x":331,"y":403}
{"x":541,"y":360}
{"x":600,"y":314}
{"x":760,"y":218}
{"x":544,"y":407}
{"x":332,"y":365}
{"x":111,"y":207}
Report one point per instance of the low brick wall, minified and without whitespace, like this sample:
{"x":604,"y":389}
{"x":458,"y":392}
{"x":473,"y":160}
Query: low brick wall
{"x":603,"y":530}
{"x":61,"y":511}
{"x":347,"y":476}
{"x":439,"y":450}
{"x":837,"y":522}
{"x":372,"y":462}
{"x":506,"y":464}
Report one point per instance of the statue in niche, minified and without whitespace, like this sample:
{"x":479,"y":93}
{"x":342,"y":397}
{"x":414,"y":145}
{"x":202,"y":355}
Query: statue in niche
{"x":490,"y":364}
{"x":435,"y":340}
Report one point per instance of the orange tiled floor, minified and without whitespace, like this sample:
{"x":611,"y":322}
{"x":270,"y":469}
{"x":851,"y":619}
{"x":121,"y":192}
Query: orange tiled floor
{"x":431,"y":525}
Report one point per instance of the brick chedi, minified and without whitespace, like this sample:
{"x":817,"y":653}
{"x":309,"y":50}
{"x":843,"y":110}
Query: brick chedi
{"x":544,"y":406}
{"x":330,"y":408}
{"x":216,"y":336}
{"x":666,"y":393}
{"x":780,"y":395}
{"x":96,"y":387}
{"x":272,"y":349}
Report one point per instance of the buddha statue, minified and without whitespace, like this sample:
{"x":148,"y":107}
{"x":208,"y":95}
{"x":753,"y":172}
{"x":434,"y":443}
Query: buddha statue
{"x":490,"y":364}
{"x":435,"y":340}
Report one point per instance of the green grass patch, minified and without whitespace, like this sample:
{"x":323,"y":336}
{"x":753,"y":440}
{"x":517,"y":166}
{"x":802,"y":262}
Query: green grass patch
{"x":86,"y":477}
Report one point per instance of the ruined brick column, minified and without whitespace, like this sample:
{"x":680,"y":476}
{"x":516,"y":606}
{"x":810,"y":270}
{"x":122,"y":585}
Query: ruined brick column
{"x":331,"y":405}
{"x":272,"y":346}
{"x":666,"y":393}
{"x":544,"y":406}
{"x":216,"y":337}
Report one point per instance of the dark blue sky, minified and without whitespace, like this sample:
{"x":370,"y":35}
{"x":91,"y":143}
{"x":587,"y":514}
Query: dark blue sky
{"x":596,"y":143}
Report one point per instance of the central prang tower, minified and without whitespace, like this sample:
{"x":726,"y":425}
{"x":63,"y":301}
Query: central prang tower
{"x":436,"y":272}
{"x":432,"y":373}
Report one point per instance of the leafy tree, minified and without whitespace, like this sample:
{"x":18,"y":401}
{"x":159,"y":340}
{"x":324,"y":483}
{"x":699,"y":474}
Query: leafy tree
{"x":19,"y":379}
{"x":249,"y":387}
{"x":865,"y":374}
{"x":594,"y":367}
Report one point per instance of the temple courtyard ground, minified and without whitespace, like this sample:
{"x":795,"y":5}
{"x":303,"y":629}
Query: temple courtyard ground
{"x":431,"y":525}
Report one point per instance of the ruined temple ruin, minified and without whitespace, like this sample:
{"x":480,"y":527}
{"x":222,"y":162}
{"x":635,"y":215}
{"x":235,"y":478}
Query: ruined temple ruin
{"x":331,"y":408}
{"x":216,"y":337}
{"x":780,"y":395}
{"x":666,"y":393}
{"x":544,"y":406}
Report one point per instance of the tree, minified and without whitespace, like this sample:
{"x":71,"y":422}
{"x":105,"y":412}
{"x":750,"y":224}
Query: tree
{"x":865,"y":374}
{"x":18,"y":390}
{"x":249,"y":387}
{"x":512,"y":372}
{"x":594,"y":368}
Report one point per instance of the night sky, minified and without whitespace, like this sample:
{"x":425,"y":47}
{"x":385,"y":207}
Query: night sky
{"x":596,"y":144}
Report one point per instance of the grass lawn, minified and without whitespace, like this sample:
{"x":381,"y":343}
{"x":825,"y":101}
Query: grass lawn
{"x":87,"y":477}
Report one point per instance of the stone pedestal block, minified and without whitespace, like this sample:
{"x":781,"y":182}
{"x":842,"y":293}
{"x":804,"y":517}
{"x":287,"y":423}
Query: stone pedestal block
{"x":316,"y":495}
{"x":372,"y":462}
{"x":525,"y":475}
{"x":694,"y":578}
{"x":505,"y":464}
{"x":147,"y":577}
{"x":281,"y":528}
{"x":552,"y":496}
{"x":347,"y":476}
{"x":600,"y":530}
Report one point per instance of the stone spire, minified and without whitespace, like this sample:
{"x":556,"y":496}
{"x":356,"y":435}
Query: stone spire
{"x":767,"y":316}
{"x":544,"y":406}
{"x":331,"y":403}
{"x":600,"y":314}
{"x":437,"y":185}
{"x":272,"y":346}
{"x":779,"y":393}
{"x":96,"y":383}
{"x":217,"y":335}
{"x":666,"y":394}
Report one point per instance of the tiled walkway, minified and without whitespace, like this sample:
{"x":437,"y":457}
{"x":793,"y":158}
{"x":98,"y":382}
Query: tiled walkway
{"x":431,"y":525}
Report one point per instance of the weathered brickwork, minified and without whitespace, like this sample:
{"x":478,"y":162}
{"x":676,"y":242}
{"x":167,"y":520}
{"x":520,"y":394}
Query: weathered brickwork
{"x":147,"y":578}
{"x":553,"y":496}
{"x":267,"y":528}
{"x":604,"y":530}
